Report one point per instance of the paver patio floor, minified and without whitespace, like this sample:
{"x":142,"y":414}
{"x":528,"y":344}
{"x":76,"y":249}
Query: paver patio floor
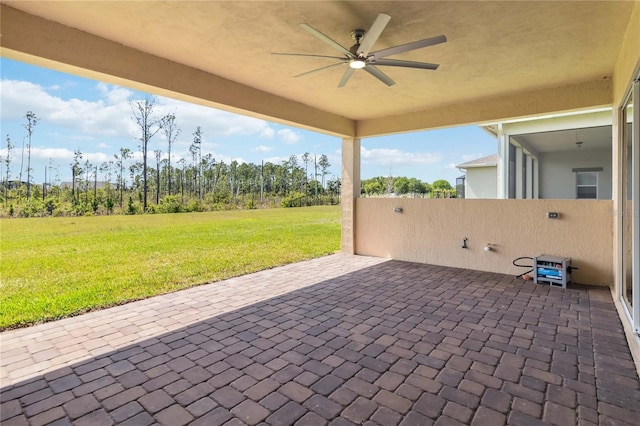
{"x":338,"y":340}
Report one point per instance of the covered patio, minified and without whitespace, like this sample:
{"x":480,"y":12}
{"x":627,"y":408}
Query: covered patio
{"x":337,"y":340}
{"x":351,"y":339}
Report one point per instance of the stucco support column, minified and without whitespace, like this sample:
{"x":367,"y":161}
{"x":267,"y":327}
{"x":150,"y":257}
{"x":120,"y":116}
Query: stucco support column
{"x":350,"y":190}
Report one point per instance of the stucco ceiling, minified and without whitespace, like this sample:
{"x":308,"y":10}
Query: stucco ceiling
{"x":495,"y":50}
{"x":590,"y":138}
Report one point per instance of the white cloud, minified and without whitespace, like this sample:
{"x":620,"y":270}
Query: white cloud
{"x":289,"y":136}
{"x":262,"y":148}
{"x":208,"y":147}
{"x":88,"y":117}
{"x":212,"y":121}
{"x":66,"y":155}
{"x":111,"y":114}
{"x":396,"y":157}
{"x":276,"y":160}
{"x":179,"y":154}
{"x":228,"y":159}
{"x":118,"y":95}
{"x":55,"y":153}
{"x":267,"y":133}
{"x":20,"y":96}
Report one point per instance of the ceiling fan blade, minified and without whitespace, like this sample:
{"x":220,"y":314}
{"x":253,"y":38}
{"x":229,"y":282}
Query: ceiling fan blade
{"x":406,"y":64}
{"x":373,"y":34}
{"x":379,"y":75}
{"x":409,"y":46}
{"x":309,"y":55}
{"x":319,"y":69}
{"x":347,"y":75}
{"x":326,"y":39}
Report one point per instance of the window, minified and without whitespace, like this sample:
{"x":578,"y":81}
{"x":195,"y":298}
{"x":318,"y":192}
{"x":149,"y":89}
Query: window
{"x":587,"y":185}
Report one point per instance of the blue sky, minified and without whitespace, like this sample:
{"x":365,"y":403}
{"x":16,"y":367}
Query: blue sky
{"x":95,"y":117}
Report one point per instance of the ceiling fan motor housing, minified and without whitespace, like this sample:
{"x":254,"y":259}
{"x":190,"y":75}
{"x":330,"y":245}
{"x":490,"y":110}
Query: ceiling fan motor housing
{"x":357,"y":34}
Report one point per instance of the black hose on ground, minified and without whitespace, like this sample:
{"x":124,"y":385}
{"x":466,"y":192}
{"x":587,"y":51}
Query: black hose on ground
{"x":523,"y":266}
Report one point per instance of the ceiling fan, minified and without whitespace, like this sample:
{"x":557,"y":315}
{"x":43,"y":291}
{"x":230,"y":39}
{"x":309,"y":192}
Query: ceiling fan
{"x":359,"y":56}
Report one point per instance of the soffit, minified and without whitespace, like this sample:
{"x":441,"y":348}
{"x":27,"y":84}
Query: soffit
{"x":494,"y":49}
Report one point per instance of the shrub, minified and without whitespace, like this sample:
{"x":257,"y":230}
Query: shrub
{"x":170,"y":204}
{"x":193,"y":206}
{"x":109,"y":204}
{"x":294,"y":199}
{"x":133,"y":207}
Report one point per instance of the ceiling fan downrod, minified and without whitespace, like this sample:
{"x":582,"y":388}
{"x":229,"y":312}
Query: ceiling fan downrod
{"x":357,"y":35}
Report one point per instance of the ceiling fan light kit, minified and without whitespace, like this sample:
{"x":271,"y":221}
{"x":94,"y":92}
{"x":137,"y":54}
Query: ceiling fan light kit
{"x":357,"y":63}
{"x":360,"y":55}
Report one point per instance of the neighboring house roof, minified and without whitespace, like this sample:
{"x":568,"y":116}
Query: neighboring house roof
{"x":488,"y":161}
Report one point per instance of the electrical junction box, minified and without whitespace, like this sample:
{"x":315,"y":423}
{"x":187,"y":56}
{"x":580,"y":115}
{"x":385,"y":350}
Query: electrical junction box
{"x":554,"y":270}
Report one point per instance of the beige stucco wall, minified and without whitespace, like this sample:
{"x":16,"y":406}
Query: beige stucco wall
{"x":431,"y":231}
{"x":628,"y":58}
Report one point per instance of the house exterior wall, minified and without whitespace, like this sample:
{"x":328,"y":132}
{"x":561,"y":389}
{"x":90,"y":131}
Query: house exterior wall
{"x":628,"y":58}
{"x":557,"y":180}
{"x":431,"y":231}
{"x":481,"y":182}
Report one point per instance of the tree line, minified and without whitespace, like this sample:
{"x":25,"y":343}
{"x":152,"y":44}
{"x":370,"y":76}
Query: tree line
{"x":404,"y":186}
{"x":125,"y":186}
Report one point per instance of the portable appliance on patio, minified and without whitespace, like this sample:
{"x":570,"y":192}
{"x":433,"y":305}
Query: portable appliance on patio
{"x":552,"y":269}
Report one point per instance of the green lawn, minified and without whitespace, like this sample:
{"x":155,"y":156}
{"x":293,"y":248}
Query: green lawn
{"x":56,"y":267}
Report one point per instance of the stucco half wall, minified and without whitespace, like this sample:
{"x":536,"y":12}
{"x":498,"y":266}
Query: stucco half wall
{"x":432,"y":230}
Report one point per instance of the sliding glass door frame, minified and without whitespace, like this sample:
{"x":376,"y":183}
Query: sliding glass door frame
{"x":630,"y":214}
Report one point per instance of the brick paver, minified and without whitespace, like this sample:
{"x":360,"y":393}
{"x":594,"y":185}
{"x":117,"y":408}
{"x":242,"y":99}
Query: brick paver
{"x":337,"y":340}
